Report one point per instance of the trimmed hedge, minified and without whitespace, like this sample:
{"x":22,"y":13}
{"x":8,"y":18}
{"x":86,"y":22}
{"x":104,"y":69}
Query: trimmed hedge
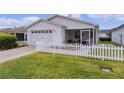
{"x":7,"y":41}
{"x":107,"y":42}
{"x":104,"y":39}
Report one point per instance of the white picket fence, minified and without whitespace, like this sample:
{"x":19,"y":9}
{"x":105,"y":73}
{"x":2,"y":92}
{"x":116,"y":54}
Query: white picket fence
{"x":104,"y":52}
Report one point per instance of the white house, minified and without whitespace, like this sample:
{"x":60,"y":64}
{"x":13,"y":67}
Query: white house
{"x":118,"y":34}
{"x":60,"y":29}
{"x":103,"y":33}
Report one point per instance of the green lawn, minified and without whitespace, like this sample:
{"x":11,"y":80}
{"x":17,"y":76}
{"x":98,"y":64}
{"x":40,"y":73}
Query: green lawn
{"x":107,"y":42}
{"x":42,"y":65}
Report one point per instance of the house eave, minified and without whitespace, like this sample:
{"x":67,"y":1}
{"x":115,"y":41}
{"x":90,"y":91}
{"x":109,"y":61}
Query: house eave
{"x":81,"y":21}
{"x":117,"y":28}
{"x":44,"y":21}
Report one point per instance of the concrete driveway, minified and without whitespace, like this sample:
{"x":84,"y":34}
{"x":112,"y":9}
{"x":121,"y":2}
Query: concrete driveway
{"x":16,"y":53}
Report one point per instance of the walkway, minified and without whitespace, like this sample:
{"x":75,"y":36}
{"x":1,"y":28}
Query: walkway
{"x":16,"y":53}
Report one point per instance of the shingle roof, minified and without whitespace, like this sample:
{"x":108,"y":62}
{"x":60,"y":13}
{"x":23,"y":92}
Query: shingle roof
{"x":119,"y":27}
{"x":40,"y":20}
{"x":78,"y":20}
{"x":14,"y":30}
{"x":60,"y":24}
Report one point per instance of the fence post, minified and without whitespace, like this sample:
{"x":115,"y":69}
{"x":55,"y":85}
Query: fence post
{"x":114,"y":52}
{"x":92,"y":51}
{"x":76,"y":50}
{"x":89,"y":50}
{"x":86,"y":49}
{"x":102,"y":52}
{"x":121,"y":54}
{"x":118,"y":55}
{"x":97,"y":51}
{"x":112,"y":57}
{"x":106,"y":52}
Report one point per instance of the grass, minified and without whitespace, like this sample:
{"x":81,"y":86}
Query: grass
{"x":51,"y":66}
{"x":107,"y":42}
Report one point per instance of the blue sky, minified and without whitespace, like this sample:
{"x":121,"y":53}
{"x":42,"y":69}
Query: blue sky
{"x":105,"y":21}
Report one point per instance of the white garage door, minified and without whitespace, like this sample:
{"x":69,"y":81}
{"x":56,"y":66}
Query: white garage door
{"x":42,"y":36}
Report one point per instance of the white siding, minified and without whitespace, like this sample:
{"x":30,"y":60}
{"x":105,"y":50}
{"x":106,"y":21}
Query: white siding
{"x":116,"y":36}
{"x":102,"y":35}
{"x":56,"y":33}
{"x":71,"y":24}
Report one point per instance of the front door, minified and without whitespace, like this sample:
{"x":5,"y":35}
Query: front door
{"x":84,"y":37}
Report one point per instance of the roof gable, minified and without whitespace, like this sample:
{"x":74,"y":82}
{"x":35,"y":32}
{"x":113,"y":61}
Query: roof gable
{"x":44,"y":21}
{"x":117,"y":28}
{"x":73,"y":19}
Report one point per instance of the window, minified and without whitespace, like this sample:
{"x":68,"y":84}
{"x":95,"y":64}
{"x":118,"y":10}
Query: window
{"x":20,"y":36}
{"x":35,"y":31}
{"x":77,"y":34}
{"x":42,"y":31}
{"x":39,"y":31}
{"x":32,"y":31}
{"x":50,"y":31}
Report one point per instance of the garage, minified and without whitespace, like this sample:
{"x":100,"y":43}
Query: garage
{"x":44,"y":31}
{"x":41,"y":35}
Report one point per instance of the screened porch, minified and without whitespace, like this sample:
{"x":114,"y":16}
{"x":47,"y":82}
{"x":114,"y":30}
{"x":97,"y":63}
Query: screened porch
{"x":82,"y":36}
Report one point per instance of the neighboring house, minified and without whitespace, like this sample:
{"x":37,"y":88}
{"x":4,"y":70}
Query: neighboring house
{"x":20,"y":32}
{"x":60,"y":29}
{"x":118,"y":34}
{"x":103,"y":33}
{"x":2,"y":30}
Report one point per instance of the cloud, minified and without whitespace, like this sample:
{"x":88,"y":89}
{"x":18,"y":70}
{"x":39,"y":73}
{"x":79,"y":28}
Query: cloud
{"x":2,"y":27}
{"x":9,"y":22}
{"x":119,"y":17}
{"x":78,"y":16}
{"x":30,"y":19}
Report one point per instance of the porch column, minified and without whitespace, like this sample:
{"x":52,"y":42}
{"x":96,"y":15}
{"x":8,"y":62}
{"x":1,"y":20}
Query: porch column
{"x":81,"y":36}
{"x":89,"y":36}
{"x":96,"y":36}
{"x":63,"y":36}
{"x":93,"y":37}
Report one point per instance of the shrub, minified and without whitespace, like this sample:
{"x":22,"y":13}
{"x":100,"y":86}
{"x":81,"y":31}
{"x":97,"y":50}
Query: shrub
{"x":104,"y":39}
{"x":7,"y":41}
{"x":107,"y":42}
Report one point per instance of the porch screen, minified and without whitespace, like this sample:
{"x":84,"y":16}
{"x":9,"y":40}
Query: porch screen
{"x":77,"y":34}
